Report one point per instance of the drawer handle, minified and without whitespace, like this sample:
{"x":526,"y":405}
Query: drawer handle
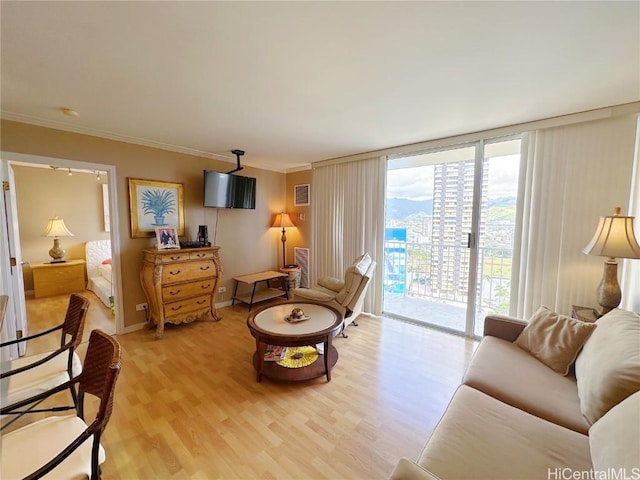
{"x":201,"y":255}
{"x":207,"y":267}
{"x":176,"y":292}
{"x":205,"y":286}
{"x":176,"y":258}
{"x":175,"y":309}
{"x":200,"y":302}
{"x":174,"y":273}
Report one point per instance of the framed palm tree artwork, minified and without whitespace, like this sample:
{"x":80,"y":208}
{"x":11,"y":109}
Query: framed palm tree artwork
{"x":153,"y":205}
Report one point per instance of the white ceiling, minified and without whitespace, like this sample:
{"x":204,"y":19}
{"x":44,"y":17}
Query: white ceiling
{"x":297,"y":82}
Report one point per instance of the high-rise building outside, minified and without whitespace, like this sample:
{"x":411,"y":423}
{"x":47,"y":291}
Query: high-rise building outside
{"x":452,"y":215}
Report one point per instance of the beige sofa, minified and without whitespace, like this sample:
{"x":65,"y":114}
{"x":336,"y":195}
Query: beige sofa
{"x":514,"y":417}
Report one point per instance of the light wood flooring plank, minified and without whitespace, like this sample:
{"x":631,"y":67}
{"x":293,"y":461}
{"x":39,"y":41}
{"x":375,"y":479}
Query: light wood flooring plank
{"x":47,"y":312}
{"x":188,"y":406}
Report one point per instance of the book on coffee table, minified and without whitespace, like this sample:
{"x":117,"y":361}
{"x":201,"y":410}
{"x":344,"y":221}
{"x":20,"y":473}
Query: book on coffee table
{"x":273,"y":353}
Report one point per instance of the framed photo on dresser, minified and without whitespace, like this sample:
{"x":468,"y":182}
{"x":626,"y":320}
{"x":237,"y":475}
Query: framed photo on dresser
{"x":167,"y":238}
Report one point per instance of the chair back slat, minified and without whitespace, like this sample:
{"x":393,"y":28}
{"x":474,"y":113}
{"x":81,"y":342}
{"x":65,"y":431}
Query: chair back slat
{"x":74,"y":318}
{"x":100,"y":371}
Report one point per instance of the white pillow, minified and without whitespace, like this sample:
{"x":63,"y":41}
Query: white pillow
{"x":105,"y":271}
{"x":608,"y":368}
{"x":614,"y":440}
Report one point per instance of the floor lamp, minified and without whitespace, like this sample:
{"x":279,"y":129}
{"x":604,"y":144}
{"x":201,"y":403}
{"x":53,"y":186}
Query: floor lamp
{"x":614,"y":238}
{"x":283,"y":221}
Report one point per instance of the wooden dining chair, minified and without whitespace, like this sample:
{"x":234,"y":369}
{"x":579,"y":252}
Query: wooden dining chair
{"x":67,"y":446}
{"x":28,"y":376}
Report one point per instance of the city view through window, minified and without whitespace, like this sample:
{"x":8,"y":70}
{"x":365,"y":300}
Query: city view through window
{"x":429,"y":218}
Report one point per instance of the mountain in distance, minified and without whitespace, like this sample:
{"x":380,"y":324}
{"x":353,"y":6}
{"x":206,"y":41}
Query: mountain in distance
{"x":401,"y":208}
{"x":507,"y":202}
{"x":501,"y":209}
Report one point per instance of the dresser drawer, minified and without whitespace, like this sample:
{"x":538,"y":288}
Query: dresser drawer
{"x":177,"y":309}
{"x":179,"y":291}
{"x":188,"y":271}
{"x":175,"y":257}
{"x":200,"y":255}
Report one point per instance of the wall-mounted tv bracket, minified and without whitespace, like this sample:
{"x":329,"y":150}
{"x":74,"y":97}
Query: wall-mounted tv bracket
{"x":238,"y":154}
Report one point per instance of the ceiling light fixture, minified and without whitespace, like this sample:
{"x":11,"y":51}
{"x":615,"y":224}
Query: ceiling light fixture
{"x":70,"y":174}
{"x":69,"y":112}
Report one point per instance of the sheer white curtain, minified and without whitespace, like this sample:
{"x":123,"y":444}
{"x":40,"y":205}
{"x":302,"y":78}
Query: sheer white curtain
{"x":348,"y":210}
{"x":630,"y":283}
{"x":573,"y":175}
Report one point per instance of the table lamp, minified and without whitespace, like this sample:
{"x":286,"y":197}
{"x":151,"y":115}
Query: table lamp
{"x":283,"y":221}
{"x":56,"y":228}
{"x":614,"y":238}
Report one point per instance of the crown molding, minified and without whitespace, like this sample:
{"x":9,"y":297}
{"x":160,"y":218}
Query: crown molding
{"x":17,"y":117}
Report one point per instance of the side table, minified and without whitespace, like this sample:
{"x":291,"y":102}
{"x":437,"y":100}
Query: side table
{"x":584,"y":314}
{"x":51,"y":279}
{"x":293,"y":276}
{"x":261,"y":295}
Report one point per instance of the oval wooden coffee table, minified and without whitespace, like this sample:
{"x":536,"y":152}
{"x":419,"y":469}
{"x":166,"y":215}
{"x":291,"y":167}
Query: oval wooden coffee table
{"x":269,"y":327}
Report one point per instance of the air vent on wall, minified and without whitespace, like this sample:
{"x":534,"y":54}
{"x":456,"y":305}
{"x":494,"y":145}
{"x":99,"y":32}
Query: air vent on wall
{"x":302,"y":260}
{"x":301,"y":195}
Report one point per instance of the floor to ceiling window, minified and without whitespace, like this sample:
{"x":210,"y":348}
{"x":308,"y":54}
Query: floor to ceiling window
{"x":450,"y":224}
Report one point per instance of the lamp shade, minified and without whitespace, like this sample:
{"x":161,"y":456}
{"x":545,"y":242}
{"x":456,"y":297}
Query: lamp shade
{"x":283,"y":221}
{"x":56,"y":228}
{"x":614,"y":238}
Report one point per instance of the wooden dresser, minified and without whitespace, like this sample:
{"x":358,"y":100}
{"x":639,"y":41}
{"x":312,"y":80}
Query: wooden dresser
{"x":180,"y":285}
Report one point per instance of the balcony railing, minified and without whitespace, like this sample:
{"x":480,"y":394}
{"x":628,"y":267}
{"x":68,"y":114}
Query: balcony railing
{"x":439,"y":272}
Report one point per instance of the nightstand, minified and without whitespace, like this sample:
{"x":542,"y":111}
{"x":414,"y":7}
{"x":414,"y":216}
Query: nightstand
{"x":584,"y":314}
{"x":58,"y":278}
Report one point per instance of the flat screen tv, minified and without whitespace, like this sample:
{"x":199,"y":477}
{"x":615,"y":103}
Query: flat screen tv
{"x":223,"y":190}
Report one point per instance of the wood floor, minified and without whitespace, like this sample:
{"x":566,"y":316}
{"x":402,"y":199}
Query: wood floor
{"x":188,"y":405}
{"x":46,"y":312}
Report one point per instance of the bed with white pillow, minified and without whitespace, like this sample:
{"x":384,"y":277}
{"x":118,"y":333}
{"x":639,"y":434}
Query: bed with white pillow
{"x":99,"y":273}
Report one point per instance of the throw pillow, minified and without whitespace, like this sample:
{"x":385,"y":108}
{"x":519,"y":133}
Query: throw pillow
{"x":614,"y":440}
{"x":331,"y":283}
{"x":608,"y":368}
{"x":554,"y":339}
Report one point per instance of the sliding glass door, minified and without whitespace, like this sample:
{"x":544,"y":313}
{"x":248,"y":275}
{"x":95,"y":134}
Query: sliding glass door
{"x":450,"y":222}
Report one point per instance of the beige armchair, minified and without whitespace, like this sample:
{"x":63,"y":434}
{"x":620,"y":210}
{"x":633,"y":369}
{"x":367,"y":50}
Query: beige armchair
{"x":347,"y":295}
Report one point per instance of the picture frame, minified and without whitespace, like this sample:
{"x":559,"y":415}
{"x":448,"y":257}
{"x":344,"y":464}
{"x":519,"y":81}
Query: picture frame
{"x":167,"y":238}
{"x":155,"y":204}
{"x":105,"y":207}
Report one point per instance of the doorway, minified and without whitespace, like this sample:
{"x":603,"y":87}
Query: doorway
{"x":104,"y":316}
{"x":449,"y":232}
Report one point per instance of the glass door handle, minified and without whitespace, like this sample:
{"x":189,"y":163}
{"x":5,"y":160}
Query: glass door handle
{"x":469,"y":240}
